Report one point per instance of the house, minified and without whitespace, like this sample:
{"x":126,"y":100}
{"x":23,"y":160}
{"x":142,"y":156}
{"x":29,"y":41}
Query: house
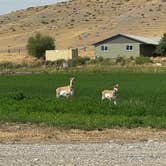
{"x":54,"y":55}
{"x":126,"y":46}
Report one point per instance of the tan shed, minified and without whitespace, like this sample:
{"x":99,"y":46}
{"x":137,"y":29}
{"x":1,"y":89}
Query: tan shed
{"x":53,"y":55}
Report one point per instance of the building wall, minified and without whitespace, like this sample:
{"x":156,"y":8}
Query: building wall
{"x":86,"y":52}
{"x":147,"y":50}
{"x":118,"y":49}
{"x":53,"y":55}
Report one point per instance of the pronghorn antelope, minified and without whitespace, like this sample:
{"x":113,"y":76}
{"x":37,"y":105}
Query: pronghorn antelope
{"x":110,"y":94}
{"x":65,"y":91}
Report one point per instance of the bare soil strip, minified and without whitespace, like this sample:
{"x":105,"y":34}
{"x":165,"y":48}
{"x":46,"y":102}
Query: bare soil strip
{"x":29,"y":134}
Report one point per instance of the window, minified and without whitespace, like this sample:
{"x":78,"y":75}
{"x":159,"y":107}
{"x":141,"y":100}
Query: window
{"x":104,"y":48}
{"x":129,"y":48}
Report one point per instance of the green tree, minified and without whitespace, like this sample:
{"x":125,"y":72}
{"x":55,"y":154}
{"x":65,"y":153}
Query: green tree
{"x":38,"y":44}
{"x":161,"y":49}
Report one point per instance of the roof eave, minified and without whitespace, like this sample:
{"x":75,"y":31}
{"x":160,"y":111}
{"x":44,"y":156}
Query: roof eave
{"x":142,"y":42}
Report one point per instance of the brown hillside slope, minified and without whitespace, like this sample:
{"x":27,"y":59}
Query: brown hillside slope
{"x":81,"y":22}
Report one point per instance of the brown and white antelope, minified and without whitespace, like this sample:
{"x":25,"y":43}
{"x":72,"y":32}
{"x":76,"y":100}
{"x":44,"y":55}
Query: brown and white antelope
{"x":110,"y":94}
{"x":66,"y":91}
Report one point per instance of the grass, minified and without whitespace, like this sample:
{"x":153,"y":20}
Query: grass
{"x":31,"y":98}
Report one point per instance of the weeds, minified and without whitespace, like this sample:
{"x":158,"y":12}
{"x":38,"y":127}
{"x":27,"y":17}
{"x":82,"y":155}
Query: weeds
{"x":142,"y":60}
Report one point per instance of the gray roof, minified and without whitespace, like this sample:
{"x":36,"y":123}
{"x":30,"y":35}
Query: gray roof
{"x":153,"y":40}
{"x":146,"y":40}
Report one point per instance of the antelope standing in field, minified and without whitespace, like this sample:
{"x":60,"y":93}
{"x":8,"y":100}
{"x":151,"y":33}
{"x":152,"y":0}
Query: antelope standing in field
{"x":110,"y":94}
{"x":65,"y":91}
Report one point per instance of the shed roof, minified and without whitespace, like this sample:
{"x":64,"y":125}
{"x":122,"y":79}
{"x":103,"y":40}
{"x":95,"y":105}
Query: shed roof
{"x":145,"y":40}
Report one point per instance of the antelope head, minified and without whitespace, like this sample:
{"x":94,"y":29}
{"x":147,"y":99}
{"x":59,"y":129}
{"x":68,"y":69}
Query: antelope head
{"x":116,"y":87}
{"x":71,"y":82}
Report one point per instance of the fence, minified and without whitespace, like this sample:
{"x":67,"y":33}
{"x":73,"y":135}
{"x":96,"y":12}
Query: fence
{"x":83,"y":51}
{"x":13,"y":51}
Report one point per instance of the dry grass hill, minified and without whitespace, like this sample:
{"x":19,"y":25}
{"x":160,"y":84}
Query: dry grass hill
{"x":79,"y":23}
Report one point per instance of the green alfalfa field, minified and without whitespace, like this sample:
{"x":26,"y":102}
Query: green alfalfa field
{"x":31,"y":99}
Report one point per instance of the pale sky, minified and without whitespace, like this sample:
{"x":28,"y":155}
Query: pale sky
{"x":6,"y":6}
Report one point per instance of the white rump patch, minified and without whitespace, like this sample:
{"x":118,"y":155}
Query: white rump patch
{"x":63,"y":93}
{"x":108,"y":95}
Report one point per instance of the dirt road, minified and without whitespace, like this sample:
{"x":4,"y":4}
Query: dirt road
{"x":129,"y":154}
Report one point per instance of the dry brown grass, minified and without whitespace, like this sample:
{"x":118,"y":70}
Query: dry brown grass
{"x":158,"y":59}
{"x":18,"y":59}
{"x":27,"y":133}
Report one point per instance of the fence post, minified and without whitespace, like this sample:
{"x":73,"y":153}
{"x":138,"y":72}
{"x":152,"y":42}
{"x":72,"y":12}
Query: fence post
{"x":9,"y":49}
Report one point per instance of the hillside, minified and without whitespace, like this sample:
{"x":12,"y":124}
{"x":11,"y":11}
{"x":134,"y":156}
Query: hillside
{"x":79,"y":23}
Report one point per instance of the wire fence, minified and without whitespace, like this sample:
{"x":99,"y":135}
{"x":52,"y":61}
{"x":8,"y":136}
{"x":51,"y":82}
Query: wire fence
{"x":14,"y":50}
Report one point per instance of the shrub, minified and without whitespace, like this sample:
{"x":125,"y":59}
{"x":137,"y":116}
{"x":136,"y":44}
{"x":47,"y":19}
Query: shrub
{"x":37,"y":45}
{"x":18,"y":96}
{"x":78,"y":61}
{"x":93,"y":61}
{"x":61,"y":63}
{"x":120,"y":60}
{"x":131,"y":58}
{"x":142,"y":60}
{"x":9,"y":65}
{"x":161,"y":49}
{"x":50,"y":63}
{"x":100,"y":59}
{"x":87,"y":58}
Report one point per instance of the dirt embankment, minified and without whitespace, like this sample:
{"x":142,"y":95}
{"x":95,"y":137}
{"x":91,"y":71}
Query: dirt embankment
{"x":28,"y":133}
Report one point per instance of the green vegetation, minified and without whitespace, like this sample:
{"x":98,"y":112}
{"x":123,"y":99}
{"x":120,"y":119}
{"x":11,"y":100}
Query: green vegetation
{"x":79,"y":63}
{"x":39,"y":44}
{"x":31,"y":98}
{"x":142,"y":60}
{"x":120,"y":60}
{"x":161,"y":49}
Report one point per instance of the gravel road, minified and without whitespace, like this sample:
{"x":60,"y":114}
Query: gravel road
{"x":149,"y":153}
